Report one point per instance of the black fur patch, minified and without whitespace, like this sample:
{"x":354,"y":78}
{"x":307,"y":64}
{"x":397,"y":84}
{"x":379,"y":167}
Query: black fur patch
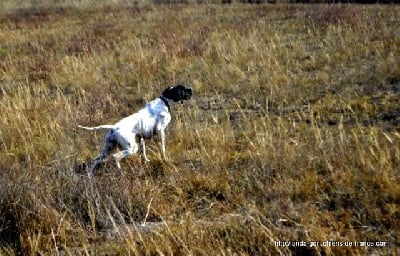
{"x":177,"y":93}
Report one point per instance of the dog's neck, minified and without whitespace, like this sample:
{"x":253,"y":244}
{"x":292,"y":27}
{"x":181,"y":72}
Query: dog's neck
{"x":166,"y":102}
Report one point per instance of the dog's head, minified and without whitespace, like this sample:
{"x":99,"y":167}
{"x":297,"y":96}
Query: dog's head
{"x":177,"y":93}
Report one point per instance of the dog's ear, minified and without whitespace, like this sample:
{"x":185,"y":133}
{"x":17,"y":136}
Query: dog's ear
{"x":167,"y":93}
{"x":171,"y":93}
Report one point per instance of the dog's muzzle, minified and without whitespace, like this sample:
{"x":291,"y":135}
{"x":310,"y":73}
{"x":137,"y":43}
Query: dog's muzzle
{"x":188,"y":93}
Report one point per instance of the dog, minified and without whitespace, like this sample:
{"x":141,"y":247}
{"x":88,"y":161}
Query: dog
{"x":130,"y":133}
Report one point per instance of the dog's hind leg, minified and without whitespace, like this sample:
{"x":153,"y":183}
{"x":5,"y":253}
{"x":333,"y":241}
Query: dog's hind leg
{"x":109,"y":145}
{"x":95,"y":162}
{"x":98,"y":160}
{"x":129,"y":149}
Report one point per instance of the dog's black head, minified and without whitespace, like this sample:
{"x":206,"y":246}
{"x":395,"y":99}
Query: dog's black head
{"x":177,"y":93}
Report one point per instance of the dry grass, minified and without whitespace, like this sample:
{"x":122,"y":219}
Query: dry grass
{"x":293,"y":133}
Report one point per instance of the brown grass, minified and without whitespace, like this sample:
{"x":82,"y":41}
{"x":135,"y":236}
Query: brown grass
{"x":293,"y":133}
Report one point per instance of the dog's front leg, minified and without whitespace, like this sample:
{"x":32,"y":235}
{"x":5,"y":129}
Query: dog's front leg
{"x":142,"y":143}
{"x":162,"y":133}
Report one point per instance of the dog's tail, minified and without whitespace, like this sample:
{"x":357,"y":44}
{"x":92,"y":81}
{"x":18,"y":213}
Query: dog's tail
{"x":100,"y":127}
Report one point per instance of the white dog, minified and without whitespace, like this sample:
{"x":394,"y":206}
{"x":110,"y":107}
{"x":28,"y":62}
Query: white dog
{"x":127,"y":133}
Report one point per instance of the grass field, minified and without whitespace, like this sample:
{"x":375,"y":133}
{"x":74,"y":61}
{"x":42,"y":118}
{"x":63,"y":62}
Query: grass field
{"x":293,"y":133}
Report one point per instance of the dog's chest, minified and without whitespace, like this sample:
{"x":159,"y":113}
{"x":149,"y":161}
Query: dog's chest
{"x":147,"y":127}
